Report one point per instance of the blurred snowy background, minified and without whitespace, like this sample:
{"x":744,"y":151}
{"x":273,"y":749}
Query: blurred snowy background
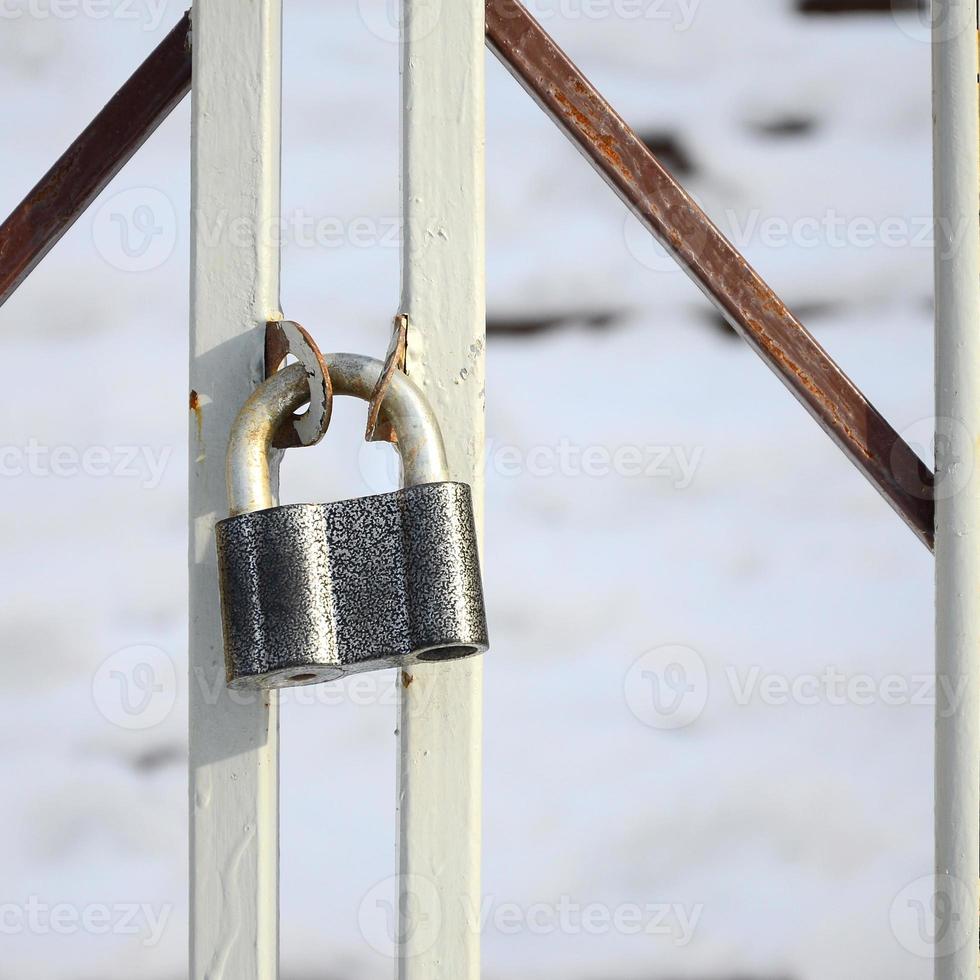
{"x":666,"y":528}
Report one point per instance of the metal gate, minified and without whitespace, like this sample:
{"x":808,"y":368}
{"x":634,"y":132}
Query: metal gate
{"x":233,"y":51}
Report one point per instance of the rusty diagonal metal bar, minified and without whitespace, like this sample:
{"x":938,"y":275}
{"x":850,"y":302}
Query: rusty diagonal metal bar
{"x":736,"y":289}
{"x":615,"y":151}
{"x":99,"y":153}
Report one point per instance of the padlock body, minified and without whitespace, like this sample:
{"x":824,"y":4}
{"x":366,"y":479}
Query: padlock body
{"x":314,"y":592}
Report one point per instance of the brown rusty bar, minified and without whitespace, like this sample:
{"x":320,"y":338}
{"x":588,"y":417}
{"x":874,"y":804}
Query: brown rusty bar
{"x":737,"y":290}
{"x":98,"y":154}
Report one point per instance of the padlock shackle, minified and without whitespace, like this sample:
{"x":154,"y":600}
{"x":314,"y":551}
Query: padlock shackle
{"x":419,"y":439}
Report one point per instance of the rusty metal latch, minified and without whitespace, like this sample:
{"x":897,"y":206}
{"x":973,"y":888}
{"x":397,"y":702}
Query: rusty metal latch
{"x":285,"y":337}
{"x":378,"y":430}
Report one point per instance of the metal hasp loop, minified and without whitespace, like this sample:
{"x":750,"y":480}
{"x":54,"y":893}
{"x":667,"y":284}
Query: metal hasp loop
{"x":404,"y":408}
{"x":394,"y":361}
{"x":315,"y":592}
{"x":284,"y":337}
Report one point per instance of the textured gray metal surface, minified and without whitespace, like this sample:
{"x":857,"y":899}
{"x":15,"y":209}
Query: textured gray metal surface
{"x":313,"y":592}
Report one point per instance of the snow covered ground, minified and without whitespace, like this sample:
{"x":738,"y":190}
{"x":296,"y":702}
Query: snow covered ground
{"x":659,"y":512}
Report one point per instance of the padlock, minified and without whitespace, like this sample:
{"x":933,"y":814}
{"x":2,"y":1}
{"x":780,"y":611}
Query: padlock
{"x":314,"y":592}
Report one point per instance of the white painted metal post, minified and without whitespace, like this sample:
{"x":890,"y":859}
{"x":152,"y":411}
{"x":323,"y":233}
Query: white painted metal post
{"x":235,"y":289}
{"x":439,"y":790}
{"x":957,"y":197}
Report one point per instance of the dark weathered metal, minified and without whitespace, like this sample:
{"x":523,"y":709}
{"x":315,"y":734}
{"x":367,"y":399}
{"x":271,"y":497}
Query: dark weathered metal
{"x":98,"y":154}
{"x":738,"y":291}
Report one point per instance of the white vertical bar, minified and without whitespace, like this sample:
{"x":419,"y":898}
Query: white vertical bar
{"x":439,"y":791}
{"x":957,"y":195}
{"x":234,"y":290}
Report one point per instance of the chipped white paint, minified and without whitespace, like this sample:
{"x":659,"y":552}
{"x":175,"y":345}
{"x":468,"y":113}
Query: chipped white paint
{"x":440,"y":727}
{"x":957,"y":184}
{"x":233,"y":743}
